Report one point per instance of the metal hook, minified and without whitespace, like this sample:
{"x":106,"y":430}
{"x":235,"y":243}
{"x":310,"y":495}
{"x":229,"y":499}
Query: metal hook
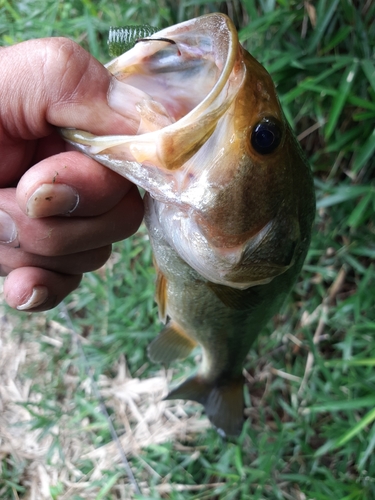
{"x":161,"y":39}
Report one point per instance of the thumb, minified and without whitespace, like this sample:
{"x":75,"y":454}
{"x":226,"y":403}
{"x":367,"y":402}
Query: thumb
{"x":54,"y":81}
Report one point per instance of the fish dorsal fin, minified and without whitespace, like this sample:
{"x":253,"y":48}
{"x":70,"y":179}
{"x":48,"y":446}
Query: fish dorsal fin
{"x":171,"y":343}
{"x":224,"y":404}
{"x":161,"y":294}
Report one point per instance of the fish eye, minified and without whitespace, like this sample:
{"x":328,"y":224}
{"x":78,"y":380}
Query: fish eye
{"x":266,"y":136}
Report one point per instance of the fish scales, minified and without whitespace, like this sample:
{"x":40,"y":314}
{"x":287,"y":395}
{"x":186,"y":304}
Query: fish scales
{"x":229,"y":201}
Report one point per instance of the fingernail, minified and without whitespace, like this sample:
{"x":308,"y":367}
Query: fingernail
{"x":52,"y":199}
{"x":8,"y":230}
{"x":117,"y":96}
{"x":37,"y":298}
{"x":124,"y":99}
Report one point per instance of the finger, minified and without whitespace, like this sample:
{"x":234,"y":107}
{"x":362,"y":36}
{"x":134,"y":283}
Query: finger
{"x":55,"y":81}
{"x":76,"y":263}
{"x":34,"y":289}
{"x":70,"y":183}
{"x":59,"y":236}
{"x":48,"y":82}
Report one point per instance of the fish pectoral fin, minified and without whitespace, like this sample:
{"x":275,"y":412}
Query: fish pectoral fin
{"x":223,"y":403}
{"x":273,"y":250}
{"x":171,"y":343}
{"x":235,"y":298}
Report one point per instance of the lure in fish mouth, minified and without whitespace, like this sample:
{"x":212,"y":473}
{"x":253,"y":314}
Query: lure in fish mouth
{"x":229,"y":203}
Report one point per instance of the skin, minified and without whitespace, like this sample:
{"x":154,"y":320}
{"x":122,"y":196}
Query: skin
{"x":66,"y":208}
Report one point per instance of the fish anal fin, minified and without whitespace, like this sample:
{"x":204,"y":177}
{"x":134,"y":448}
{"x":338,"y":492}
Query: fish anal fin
{"x":161,"y":295}
{"x":171,"y":343}
{"x":223,"y":403}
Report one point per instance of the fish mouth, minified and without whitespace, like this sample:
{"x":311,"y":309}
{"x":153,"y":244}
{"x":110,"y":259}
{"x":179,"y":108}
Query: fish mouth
{"x":176,"y":86}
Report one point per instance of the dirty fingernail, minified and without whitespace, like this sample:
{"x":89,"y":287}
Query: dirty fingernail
{"x":124,"y":99}
{"x":38,"y":297}
{"x":8,"y":230}
{"x":117,"y":96}
{"x":52,"y":199}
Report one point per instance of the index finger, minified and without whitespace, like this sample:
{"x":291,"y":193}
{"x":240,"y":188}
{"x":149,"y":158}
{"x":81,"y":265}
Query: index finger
{"x":70,"y":183}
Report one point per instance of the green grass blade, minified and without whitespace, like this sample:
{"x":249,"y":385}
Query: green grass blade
{"x":347,"y":404}
{"x":343,"y":33}
{"x":311,"y":83}
{"x":342,"y":194}
{"x":360,"y":212}
{"x":365,"y":153}
{"x":364,"y":422}
{"x":368,"y":68}
{"x":8,"y":6}
{"x":258,"y":23}
{"x":340,"y":98}
{"x":366,"y":115}
{"x":91,"y":34}
{"x":363,"y":103}
{"x":351,"y":362}
{"x":341,"y":441}
{"x":324,"y":16}
{"x":369,"y":450}
{"x":107,"y":487}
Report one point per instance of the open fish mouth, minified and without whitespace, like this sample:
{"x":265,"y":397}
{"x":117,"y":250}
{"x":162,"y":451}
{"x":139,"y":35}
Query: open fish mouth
{"x":176,"y":85}
{"x":177,"y":71}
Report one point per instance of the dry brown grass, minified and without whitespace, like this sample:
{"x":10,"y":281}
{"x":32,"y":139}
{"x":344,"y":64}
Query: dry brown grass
{"x":136,"y":406}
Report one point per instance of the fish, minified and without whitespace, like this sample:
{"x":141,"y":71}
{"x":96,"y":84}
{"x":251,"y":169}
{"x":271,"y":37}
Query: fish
{"x":229,"y":199}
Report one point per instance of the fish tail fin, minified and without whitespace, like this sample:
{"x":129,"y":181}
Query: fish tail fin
{"x":171,"y":343}
{"x":224,"y":403}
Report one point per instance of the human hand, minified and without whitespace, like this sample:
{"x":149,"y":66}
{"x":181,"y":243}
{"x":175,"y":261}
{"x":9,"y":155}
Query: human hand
{"x":60,"y":211}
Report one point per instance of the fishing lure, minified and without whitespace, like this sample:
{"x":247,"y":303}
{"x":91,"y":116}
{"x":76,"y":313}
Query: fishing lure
{"x":124,"y":38}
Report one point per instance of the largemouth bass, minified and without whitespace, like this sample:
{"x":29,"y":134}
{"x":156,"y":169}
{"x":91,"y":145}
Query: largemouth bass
{"x":229,"y":202}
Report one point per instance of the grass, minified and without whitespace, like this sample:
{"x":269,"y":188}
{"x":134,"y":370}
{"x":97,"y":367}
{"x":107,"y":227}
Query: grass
{"x":310,"y":432}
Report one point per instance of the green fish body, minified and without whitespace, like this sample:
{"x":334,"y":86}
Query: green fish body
{"x":229,"y":204}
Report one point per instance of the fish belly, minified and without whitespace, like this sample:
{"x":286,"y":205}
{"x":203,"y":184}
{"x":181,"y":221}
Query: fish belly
{"x":195,"y":313}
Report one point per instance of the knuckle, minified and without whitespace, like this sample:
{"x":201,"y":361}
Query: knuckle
{"x":70,"y":63}
{"x":50,"y":243}
{"x":102,"y":255}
